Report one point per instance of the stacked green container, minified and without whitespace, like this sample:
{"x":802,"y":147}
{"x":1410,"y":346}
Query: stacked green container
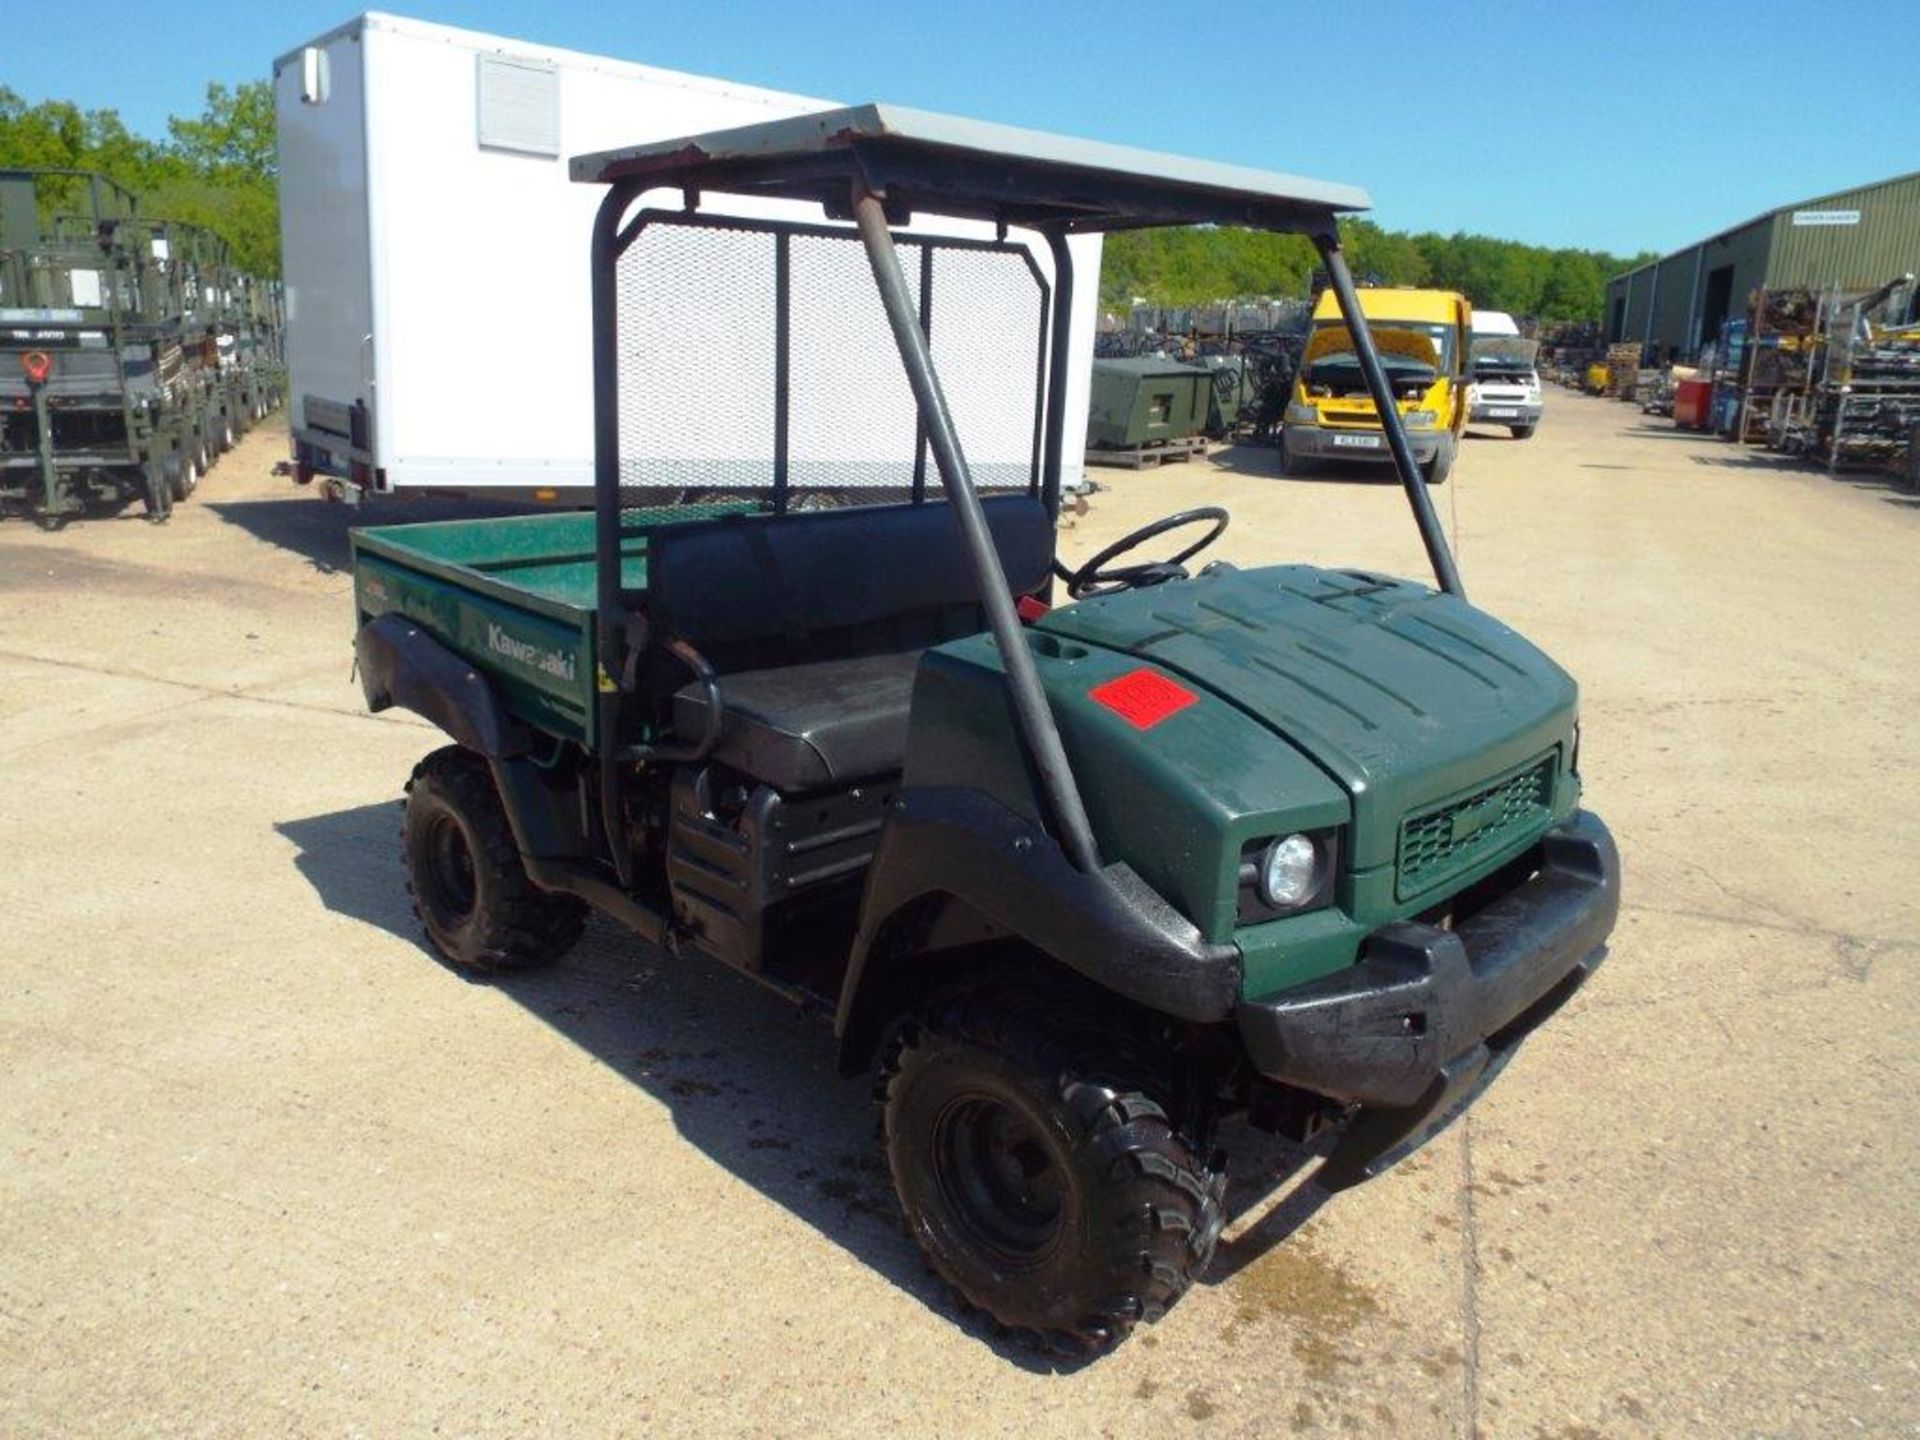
{"x":1145,"y":402}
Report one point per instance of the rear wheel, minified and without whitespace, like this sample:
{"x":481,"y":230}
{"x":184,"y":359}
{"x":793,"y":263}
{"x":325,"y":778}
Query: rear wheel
{"x":1033,"y":1154}
{"x":464,"y":874}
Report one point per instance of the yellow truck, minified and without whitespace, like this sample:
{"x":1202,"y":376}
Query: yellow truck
{"x":1423,"y":337}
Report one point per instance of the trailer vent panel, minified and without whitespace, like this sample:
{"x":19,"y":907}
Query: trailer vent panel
{"x":519,"y":105}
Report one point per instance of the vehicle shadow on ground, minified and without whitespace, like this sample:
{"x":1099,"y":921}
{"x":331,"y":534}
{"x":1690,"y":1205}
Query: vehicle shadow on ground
{"x":1747,"y":457}
{"x":1668,"y":432}
{"x":316,"y":530}
{"x":748,"y":1079}
{"x":97,"y":512}
{"x":1263,"y":461}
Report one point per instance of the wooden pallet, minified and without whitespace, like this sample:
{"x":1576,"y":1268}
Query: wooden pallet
{"x":1145,"y":457}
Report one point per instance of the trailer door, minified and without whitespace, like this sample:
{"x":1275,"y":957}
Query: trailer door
{"x":319,"y":95}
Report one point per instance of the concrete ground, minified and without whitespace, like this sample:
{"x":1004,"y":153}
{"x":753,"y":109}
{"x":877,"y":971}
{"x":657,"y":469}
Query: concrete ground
{"x":268,"y":1168}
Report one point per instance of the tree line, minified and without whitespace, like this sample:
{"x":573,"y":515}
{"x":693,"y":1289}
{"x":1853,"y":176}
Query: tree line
{"x":219,"y":169}
{"x":1200,"y":265}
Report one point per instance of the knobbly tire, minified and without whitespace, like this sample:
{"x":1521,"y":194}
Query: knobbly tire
{"x":1040,"y":1173}
{"x":464,"y":874}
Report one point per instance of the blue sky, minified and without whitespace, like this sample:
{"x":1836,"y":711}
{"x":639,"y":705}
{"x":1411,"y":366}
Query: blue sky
{"x":1620,"y":126}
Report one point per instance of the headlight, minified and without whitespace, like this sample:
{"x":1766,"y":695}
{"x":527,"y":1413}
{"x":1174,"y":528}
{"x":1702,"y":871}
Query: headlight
{"x":1299,"y":414}
{"x":1420,"y":418}
{"x":1290,"y":874}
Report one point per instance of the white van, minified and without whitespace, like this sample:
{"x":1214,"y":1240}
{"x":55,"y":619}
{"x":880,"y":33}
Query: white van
{"x":1506,"y":386}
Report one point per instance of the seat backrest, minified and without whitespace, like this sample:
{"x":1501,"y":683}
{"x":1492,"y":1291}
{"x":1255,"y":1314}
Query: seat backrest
{"x":755,"y":590}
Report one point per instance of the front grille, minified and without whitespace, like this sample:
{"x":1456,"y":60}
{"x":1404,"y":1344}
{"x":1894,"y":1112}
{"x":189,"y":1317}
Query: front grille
{"x":1449,"y":839}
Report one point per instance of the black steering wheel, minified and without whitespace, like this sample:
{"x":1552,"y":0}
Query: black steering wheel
{"x":1094,"y":578}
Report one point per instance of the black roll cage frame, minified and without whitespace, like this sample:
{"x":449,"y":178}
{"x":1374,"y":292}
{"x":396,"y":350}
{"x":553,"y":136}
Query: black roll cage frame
{"x":877,"y":181}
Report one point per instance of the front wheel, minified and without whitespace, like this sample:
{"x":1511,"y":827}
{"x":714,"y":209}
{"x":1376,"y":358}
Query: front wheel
{"x":1441,"y":466}
{"x":1040,"y":1172}
{"x":464,"y":874}
{"x":1522,"y":432}
{"x":1291,"y":461}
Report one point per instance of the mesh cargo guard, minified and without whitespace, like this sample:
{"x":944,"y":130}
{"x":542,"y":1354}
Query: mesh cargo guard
{"x":707,"y":307}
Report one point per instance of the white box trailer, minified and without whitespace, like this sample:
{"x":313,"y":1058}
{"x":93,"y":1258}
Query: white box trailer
{"x":435,"y":252}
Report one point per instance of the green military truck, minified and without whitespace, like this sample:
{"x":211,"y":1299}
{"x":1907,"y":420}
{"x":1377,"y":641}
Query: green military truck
{"x":133,"y":351}
{"x":1080,"y":874}
{"x":92,"y":394}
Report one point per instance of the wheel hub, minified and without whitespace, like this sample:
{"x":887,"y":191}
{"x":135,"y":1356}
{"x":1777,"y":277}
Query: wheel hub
{"x":1000,"y":1178}
{"x":450,"y":869}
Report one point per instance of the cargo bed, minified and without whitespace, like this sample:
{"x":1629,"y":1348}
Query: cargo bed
{"x":514,"y":597}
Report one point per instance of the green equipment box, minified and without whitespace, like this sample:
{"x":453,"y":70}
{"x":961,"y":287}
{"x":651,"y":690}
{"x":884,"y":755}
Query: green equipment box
{"x":1144,"y":401}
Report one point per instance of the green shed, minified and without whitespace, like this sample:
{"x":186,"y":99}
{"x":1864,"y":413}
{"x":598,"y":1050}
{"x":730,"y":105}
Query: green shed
{"x":1854,"y":239}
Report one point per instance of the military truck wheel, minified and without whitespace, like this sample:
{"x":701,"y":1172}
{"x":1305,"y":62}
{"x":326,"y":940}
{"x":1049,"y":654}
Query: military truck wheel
{"x":183,"y":477}
{"x":1042,"y":1178}
{"x":464,"y":874}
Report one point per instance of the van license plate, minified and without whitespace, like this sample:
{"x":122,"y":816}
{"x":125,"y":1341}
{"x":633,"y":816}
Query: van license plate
{"x":1503,"y":414}
{"x":1358,"y":442}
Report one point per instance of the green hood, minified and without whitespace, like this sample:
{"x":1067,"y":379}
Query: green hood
{"x":1403,"y":696}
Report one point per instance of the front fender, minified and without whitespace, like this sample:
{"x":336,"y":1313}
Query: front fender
{"x":401,"y":664}
{"x":1110,"y":926}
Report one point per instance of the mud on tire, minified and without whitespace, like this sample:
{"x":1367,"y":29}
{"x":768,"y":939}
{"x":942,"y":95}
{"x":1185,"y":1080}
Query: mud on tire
{"x":464,"y":874}
{"x":1040,"y":1172}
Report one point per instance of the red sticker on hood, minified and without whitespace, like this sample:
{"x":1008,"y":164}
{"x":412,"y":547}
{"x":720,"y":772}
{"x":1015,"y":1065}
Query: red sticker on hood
{"x":1143,"y":698}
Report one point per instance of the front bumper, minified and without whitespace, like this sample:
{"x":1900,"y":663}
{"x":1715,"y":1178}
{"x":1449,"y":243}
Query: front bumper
{"x":1506,"y":412}
{"x":1424,"y":1021}
{"x":1339,"y":442}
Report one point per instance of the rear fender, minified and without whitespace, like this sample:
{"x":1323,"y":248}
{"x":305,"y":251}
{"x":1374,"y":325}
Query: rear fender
{"x":401,"y":664}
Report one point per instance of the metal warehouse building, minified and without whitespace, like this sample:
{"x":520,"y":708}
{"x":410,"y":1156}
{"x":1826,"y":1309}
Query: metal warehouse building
{"x":1855,"y":239}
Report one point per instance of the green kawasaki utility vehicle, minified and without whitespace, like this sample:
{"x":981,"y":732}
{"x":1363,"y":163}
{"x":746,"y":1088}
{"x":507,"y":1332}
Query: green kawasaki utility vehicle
{"x":1080,"y":879}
